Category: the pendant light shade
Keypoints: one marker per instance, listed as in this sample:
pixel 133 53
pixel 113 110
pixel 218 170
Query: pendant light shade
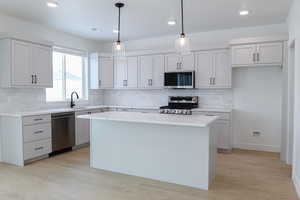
pixel 182 44
pixel 118 46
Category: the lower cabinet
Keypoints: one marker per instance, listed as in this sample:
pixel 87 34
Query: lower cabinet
pixel 25 139
pixel 224 130
pixel 82 133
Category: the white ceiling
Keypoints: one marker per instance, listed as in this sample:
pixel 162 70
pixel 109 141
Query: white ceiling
pixel 146 18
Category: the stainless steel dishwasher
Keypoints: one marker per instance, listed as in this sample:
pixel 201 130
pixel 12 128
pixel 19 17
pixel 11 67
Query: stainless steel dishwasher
pixel 63 132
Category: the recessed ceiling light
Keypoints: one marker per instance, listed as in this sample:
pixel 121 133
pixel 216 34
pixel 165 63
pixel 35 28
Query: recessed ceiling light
pixel 244 12
pixel 115 31
pixel 52 4
pixel 171 22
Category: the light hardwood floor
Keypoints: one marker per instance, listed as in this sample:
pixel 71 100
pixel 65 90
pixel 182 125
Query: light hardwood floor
pixel 241 175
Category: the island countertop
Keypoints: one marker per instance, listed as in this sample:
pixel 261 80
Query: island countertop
pixel 154 118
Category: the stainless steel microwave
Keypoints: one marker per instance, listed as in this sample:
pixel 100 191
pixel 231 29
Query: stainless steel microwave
pixel 180 80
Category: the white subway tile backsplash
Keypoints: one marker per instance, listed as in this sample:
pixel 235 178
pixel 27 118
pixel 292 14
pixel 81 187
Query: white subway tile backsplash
pixel 155 98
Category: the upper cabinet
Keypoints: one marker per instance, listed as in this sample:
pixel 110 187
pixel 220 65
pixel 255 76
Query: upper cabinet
pixel 126 72
pixel 264 54
pixel 213 69
pixel 176 62
pixel 24 64
pixel 101 72
pixel 151 71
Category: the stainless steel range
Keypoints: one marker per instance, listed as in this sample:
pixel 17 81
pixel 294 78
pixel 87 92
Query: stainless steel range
pixel 180 105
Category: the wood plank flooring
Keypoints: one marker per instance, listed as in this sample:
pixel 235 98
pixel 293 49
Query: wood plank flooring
pixel 241 175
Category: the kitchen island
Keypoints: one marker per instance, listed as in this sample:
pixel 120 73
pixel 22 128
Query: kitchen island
pixel 172 148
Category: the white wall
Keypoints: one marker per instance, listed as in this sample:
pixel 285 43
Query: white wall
pixel 294 32
pixel 257 107
pixel 27 99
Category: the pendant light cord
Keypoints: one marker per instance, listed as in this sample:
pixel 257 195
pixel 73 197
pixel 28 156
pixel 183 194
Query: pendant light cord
pixel 182 26
pixel 119 24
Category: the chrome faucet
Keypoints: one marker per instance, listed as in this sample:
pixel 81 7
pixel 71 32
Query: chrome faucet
pixel 72 100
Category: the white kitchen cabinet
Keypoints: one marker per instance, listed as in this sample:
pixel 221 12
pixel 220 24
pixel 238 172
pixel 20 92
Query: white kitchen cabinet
pixel 82 127
pixel 132 72
pixel 42 65
pixel 176 62
pixel 126 72
pixel 29 138
pixel 25 64
pixel 101 72
pixel 263 54
pixel 223 128
pixel 213 69
pixel 151 71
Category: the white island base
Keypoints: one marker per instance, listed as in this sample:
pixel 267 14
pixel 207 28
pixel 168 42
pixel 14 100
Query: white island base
pixel 157 149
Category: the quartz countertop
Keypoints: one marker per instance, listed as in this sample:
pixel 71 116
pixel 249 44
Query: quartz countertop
pixel 153 118
pixel 86 108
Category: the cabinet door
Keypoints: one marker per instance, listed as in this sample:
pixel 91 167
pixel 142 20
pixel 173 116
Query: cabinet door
pixel 204 69
pixel 243 55
pixel 106 73
pixel 94 71
pixel 146 69
pixel 270 53
pixel 42 65
pixel 120 73
pixel 222 70
pixel 21 64
pixel 187 62
pixel 172 62
pixel 132 72
pixel 223 135
pixel 158 71
pixel 82 129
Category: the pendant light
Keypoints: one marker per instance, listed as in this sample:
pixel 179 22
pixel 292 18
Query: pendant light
pixel 182 44
pixel 118 46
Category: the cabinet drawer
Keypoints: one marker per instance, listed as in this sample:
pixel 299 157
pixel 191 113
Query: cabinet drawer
pixel 36 132
pixel 36 149
pixel 36 119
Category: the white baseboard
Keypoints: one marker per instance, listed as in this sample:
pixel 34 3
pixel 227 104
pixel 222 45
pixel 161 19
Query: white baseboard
pixel 296 184
pixel 258 147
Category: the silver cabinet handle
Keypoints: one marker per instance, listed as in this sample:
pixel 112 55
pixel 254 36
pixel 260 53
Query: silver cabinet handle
pixel 258 57
pixel 38 119
pixel 214 81
pixel 32 81
pixel 209 81
pixel 38 148
pixel 38 132
pixel 151 82
pixel 36 79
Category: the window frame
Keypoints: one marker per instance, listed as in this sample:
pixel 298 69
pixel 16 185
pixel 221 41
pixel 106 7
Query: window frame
pixel 85 74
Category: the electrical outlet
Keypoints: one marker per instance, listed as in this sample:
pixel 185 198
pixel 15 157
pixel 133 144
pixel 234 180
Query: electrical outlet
pixel 256 133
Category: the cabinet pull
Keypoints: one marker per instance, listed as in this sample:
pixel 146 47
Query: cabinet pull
pixel 32 79
pixel 209 81
pixel 151 82
pixel 38 132
pixel 258 57
pixel 38 148
pixel 180 65
pixel 214 81
pixel 36 79
pixel 38 119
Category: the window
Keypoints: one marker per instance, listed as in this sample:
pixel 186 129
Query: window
pixel 69 74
